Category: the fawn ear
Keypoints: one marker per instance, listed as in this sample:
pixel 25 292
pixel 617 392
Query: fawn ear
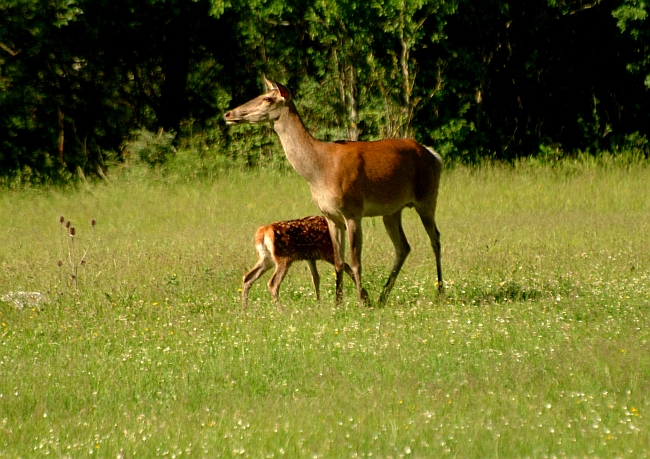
pixel 284 92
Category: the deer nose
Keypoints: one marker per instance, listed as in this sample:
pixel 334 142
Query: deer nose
pixel 227 115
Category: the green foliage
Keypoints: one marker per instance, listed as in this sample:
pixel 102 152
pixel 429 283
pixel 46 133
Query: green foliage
pixel 191 166
pixel 453 140
pixel 634 147
pixel 628 14
pixel 633 20
pixel 475 80
pixel 151 148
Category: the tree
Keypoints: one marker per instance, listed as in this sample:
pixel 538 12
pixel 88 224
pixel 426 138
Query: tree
pixel 78 77
pixel 29 81
pixel 471 78
pixel 408 28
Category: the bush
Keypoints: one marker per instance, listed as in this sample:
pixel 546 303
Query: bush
pixel 149 148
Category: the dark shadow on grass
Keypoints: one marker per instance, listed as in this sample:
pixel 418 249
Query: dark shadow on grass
pixel 504 292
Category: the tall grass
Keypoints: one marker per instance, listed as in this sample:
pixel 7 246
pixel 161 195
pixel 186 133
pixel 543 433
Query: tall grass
pixel 538 349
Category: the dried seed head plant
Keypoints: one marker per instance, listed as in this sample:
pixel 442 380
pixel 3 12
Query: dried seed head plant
pixel 71 232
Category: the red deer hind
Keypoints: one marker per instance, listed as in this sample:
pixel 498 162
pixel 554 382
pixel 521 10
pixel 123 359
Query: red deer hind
pixel 282 243
pixel 352 180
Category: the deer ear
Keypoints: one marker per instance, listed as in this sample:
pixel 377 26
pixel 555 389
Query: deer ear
pixel 284 92
pixel 270 85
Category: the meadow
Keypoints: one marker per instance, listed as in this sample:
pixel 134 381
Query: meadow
pixel 539 347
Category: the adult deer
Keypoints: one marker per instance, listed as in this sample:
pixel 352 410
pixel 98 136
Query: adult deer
pixel 352 180
pixel 282 243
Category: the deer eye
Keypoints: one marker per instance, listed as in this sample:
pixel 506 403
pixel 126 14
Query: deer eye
pixel 270 100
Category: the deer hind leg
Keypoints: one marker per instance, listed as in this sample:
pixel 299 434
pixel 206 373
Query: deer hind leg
pixel 315 277
pixel 393 225
pixel 262 266
pixel 337 230
pixel 429 222
pixel 355 235
pixel 281 269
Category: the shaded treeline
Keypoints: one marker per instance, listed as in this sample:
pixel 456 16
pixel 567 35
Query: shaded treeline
pixel 473 79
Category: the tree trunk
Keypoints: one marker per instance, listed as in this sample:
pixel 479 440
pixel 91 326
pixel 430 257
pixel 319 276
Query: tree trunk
pixel 353 124
pixel 61 119
pixel 347 92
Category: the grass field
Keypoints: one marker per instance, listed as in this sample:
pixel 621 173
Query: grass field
pixel 538 349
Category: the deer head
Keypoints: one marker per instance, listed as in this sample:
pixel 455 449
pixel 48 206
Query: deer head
pixel 266 107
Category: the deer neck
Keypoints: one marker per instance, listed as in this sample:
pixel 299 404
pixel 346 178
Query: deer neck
pixel 301 148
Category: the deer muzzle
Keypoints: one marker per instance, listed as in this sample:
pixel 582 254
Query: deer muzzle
pixel 231 118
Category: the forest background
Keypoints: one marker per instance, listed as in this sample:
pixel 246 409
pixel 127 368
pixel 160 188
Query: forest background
pixel 90 84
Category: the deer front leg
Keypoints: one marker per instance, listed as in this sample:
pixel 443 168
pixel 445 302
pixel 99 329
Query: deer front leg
pixel 364 294
pixel 355 236
pixel 315 278
pixel 337 230
pixel 349 272
pixel 393 225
